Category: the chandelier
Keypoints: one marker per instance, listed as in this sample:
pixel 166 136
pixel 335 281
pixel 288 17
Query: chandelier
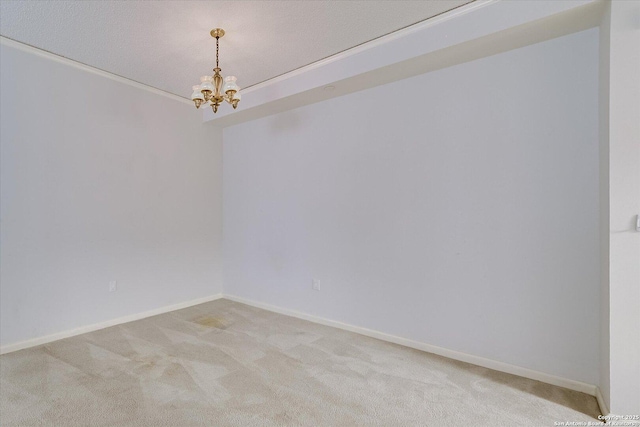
pixel 211 88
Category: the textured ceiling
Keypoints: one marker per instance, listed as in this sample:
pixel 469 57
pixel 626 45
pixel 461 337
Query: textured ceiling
pixel 166 44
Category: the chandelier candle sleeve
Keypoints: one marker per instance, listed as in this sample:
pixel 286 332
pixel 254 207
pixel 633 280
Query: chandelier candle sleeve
pixel 197 96
pixel 206 87
pixel 235 100
pixel 215 89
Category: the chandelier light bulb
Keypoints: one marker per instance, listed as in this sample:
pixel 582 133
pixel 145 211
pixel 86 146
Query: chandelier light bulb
pixel 230 84
pixel 206 87
pixel 197 96
pixel 235 100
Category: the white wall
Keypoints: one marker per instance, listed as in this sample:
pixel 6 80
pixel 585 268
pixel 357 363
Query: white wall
pixel 458 208
pixel 100 181
pixel 603 106
pixel 624 205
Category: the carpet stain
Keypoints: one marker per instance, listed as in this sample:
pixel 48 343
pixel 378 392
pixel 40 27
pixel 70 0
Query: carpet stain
pixel 212 322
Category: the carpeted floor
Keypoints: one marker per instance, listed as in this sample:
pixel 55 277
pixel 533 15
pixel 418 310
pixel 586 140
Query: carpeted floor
pixel 227 364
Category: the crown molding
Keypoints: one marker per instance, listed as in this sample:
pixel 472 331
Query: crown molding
pixel 493 25
pixel 87 68
pixel 403 32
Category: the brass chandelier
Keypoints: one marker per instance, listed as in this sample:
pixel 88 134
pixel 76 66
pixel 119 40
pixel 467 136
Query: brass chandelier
pixel 211 88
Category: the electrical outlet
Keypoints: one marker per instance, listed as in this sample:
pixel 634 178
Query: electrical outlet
pixel 113 286
pixel 315 284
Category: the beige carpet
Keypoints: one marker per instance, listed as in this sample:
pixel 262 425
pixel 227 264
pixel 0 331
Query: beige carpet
pixel 227 364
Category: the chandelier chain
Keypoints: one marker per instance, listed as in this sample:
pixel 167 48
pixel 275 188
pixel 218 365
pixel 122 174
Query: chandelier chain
pixel 217 51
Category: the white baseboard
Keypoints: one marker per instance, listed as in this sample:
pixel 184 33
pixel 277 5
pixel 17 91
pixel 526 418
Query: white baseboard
pixel 101 325
pixel 601 402
pixel 452 354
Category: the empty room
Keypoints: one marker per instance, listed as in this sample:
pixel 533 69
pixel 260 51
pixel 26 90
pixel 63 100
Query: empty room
pixel 320 213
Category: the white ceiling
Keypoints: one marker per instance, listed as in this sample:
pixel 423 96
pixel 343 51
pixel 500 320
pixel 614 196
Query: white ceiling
pixel 166 44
